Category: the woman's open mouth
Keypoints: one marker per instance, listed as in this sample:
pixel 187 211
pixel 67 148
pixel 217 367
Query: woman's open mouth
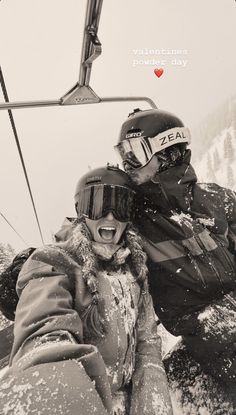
pixel 107 232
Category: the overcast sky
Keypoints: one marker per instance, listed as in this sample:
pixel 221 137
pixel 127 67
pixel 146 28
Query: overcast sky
pixel 40 54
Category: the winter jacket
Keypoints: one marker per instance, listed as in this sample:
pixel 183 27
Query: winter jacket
pixel 125 363
pixel 189 232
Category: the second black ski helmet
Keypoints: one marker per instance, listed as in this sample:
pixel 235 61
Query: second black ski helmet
pixel 103 190
pixel 148 132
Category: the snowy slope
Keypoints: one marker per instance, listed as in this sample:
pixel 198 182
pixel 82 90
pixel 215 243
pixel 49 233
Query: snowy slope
pixel 214 146
pixel 217 164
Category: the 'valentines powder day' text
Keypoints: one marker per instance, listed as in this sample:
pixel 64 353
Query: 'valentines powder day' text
pixel 160 57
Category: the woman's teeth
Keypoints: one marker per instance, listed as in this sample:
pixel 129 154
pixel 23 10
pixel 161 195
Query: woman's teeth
pixel 107 232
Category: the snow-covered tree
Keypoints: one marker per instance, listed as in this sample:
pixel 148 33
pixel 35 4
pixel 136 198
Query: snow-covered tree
pixel 6 255
pixel 216 160
pixel 3 322
pixel 230 177
pixel 228 148
pixel 212 127
pixel 233 118
pixel 210 170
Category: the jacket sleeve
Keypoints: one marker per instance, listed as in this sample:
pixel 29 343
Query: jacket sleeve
pixel 47 328
pixel 45 303
pixel 150 393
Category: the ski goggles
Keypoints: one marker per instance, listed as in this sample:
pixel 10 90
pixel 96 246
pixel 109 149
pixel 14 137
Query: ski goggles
pixel 138 151
pixel 97 201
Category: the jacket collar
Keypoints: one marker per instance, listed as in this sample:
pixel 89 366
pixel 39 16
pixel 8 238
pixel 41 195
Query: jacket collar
pixel 171 189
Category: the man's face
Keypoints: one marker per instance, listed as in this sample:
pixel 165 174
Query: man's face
pixel 106 230
pixel 143 174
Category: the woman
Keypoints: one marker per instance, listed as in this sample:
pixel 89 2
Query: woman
pixel 84 313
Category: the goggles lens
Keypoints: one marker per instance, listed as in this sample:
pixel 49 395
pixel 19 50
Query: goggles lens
pixel 138 151
pixel 135 151
pixel 97 200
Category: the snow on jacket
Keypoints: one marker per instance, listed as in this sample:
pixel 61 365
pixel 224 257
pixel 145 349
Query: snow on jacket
pixel 193 390
pixel 189 232
pixel 49 327
pixel 214 344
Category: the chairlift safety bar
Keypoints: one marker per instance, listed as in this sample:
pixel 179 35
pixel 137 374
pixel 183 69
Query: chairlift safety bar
pixel 34 104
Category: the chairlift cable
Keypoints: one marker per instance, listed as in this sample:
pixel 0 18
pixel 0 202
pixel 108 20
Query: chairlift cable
pixel 4 217
pixel 4 90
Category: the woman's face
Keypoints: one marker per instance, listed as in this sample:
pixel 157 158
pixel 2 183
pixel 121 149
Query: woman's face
pixel 106 230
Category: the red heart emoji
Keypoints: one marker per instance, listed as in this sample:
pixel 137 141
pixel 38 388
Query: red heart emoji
pixel 158 72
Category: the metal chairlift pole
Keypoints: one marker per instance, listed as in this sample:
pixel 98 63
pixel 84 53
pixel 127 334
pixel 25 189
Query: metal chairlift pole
pixel 91 47
pixel 81 92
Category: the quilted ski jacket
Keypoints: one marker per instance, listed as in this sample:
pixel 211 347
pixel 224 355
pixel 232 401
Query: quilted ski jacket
pixel 189 232
pixel 49 327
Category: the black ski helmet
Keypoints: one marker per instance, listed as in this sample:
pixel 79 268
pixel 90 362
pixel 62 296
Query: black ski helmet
pixel 114 178
pixel 149 122
pixel 149 132
pixel 109 174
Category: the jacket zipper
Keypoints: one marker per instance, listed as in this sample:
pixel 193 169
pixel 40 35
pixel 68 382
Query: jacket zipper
pixel 199 273
pixel 209 259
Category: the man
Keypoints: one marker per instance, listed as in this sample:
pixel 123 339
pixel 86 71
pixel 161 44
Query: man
pixel 189 232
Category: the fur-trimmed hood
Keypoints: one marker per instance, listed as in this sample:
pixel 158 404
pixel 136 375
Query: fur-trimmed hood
pixel 75 236
pixel 76 240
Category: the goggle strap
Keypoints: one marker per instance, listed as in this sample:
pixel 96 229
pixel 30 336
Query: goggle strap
pixel 168 138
